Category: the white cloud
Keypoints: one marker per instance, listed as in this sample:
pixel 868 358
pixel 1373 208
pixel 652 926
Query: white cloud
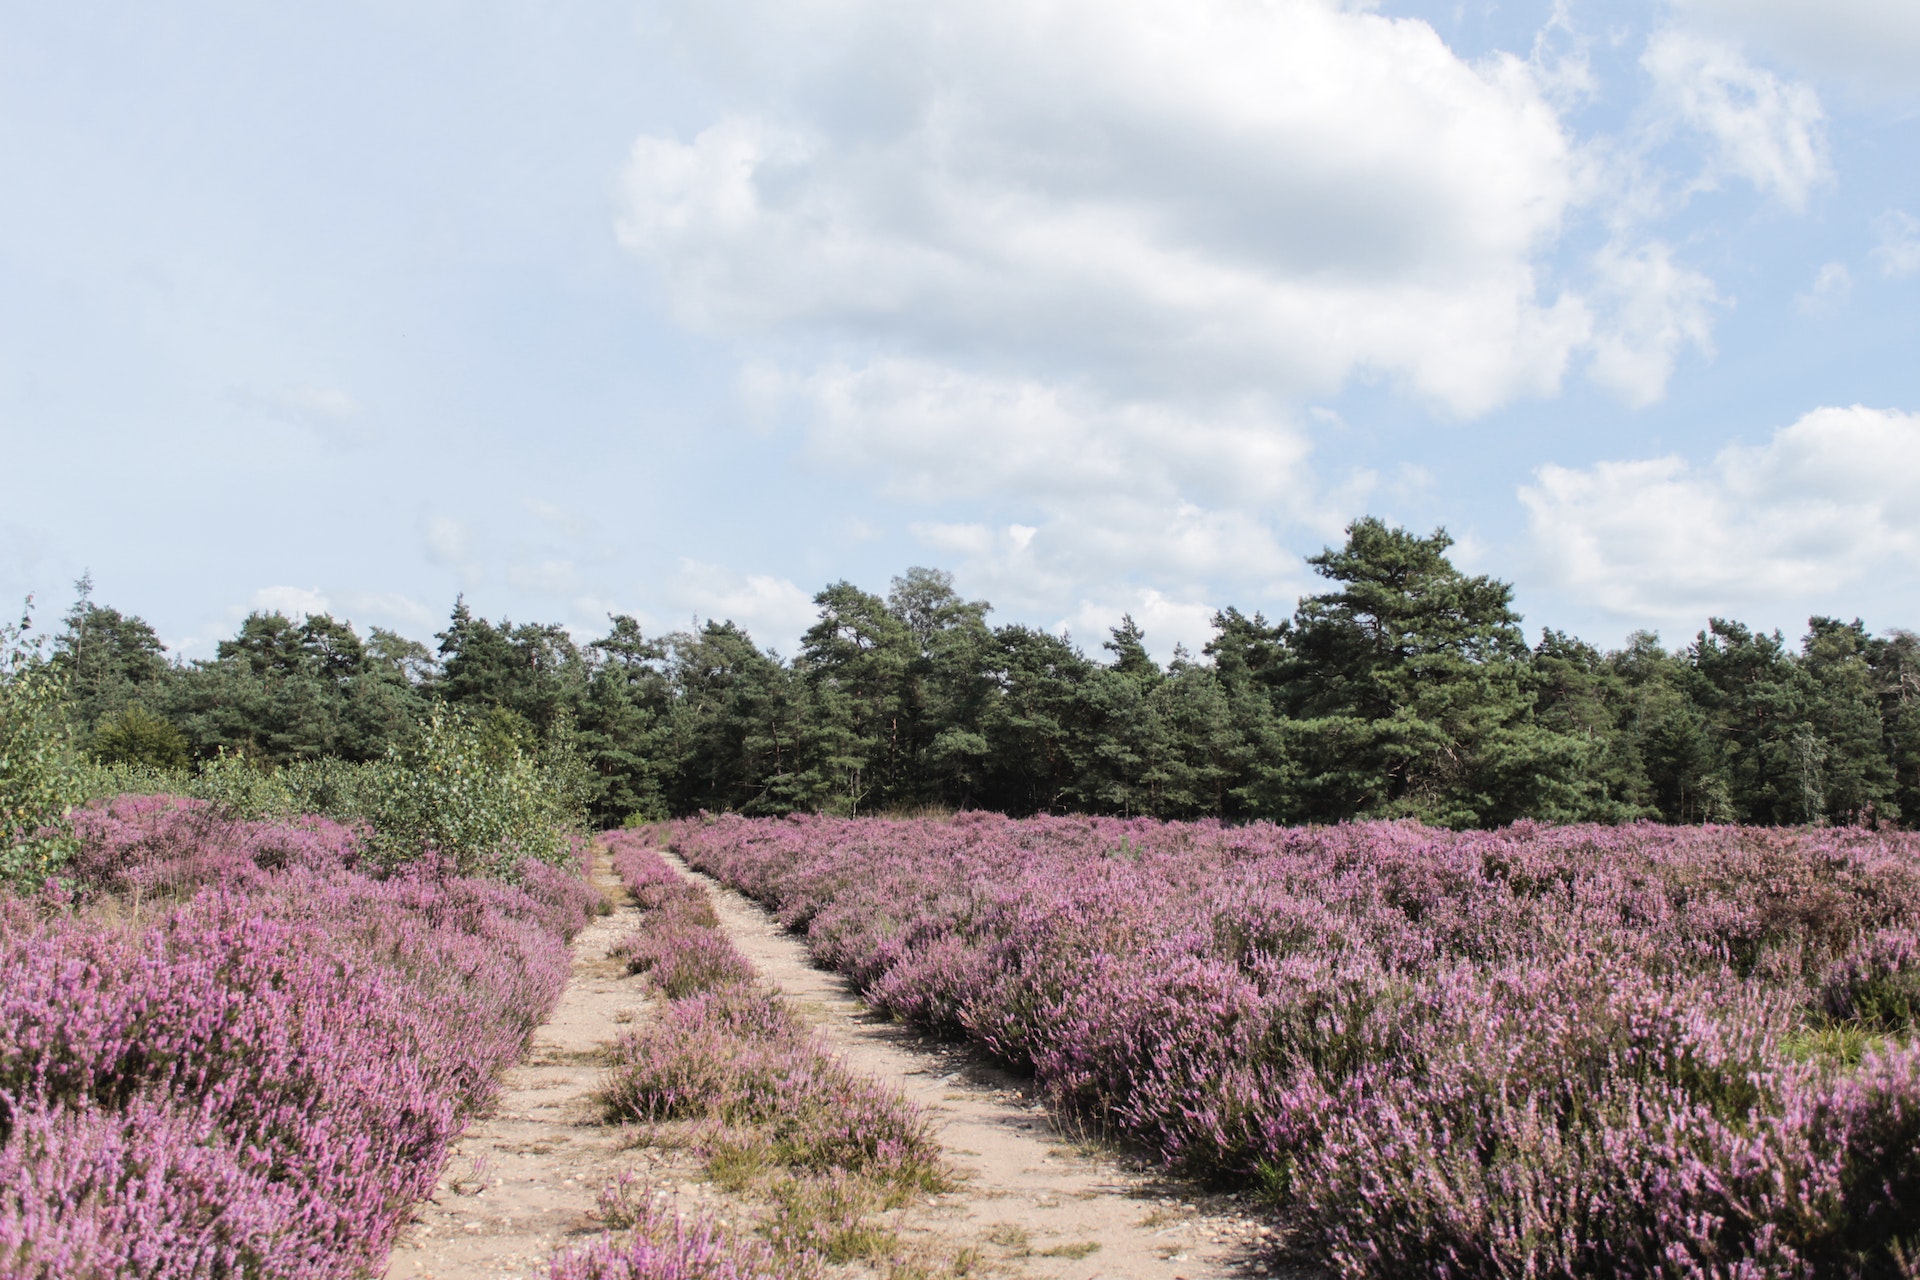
pixel 449 541
pixel 547 577
pixel 1831 286
pixel 1103 493
pixel 1061 274
pixel 771 609
pixel 295 602
pixel 1826 503
pixel 1660 308
pixel 938 433
pixel 1898 251
pixel 1763 129
pixel 1165 198
pixel 1872 44
pixel 331 415
pixel 1165 621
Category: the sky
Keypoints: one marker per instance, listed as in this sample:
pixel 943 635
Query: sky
pixel 687 310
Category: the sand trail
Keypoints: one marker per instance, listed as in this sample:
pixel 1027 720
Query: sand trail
pixel 524 1179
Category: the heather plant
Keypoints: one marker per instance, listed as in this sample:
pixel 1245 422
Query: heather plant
pixel 1876 984
pixel 658 1243
pixel 684 959
pixel 1545 1051
pixel 257 1071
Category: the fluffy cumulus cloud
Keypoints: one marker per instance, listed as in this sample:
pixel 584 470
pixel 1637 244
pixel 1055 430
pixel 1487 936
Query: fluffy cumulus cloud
pixel 1797 522
pixel 1165 197
pixel 773 610
pixel 1660 309
pixel 294 602
pixel 1761 128
pixel 1874 44
pixel 1065 275
pixel 1082 261
pixel 1095 490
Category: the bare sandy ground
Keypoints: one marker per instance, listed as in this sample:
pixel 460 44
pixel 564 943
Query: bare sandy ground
pixel 1032 1201
pixel 522 1181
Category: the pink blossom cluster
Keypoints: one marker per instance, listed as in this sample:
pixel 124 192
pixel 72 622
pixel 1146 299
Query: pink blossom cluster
pixel 659 1243
pixel 231 1053
pixel 1573 1051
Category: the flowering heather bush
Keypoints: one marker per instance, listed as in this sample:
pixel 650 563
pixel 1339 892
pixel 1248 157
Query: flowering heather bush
pixel 659 1244
pixel 681 959
pixel 260 1077
pixel 653 884
pixel 725 1052
pixel 161 844
pixel 1577 1051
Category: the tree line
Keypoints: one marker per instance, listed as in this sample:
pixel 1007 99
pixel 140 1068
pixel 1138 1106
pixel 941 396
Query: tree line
pixel 1406 688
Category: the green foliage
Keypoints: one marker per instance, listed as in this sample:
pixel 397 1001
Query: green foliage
pixel 42 776
pixel 454 791
pixel 237 787
pixel 1411 684
pixel 1404 689
pixel 136 736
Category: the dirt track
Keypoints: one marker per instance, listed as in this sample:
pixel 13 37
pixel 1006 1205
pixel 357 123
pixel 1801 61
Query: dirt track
pixel 523 1181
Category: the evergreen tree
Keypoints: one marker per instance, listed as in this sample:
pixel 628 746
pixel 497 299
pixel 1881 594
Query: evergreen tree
pixel 108 661
pixel 1410 690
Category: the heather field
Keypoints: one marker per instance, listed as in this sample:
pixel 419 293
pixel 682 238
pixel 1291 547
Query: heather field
pixel 228 1050
pixel 1539 1051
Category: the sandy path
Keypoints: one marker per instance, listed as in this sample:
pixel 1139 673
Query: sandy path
pixel 521 1181
pixel 1033 1199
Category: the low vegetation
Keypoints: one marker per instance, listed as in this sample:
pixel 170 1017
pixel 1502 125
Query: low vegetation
pixel 727 1069
pixel 1545 1051
pixel 228 1048
pixel 274 922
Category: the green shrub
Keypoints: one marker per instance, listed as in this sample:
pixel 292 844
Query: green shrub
pixel 42 777
pixel 458 792
pixel 138 737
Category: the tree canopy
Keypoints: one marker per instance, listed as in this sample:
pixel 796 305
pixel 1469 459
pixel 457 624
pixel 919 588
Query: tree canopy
pixel 1404 688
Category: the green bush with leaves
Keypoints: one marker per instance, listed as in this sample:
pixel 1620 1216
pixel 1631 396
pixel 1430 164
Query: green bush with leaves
pixel 136 736
pixel 42 775
pixel 459 788
pixel 460 792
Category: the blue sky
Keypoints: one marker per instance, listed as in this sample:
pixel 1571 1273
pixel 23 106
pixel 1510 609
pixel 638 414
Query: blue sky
pixel 686 310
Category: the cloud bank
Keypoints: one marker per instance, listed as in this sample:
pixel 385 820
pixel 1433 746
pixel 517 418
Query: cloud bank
pixel 1820 510
pixel 1065 277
